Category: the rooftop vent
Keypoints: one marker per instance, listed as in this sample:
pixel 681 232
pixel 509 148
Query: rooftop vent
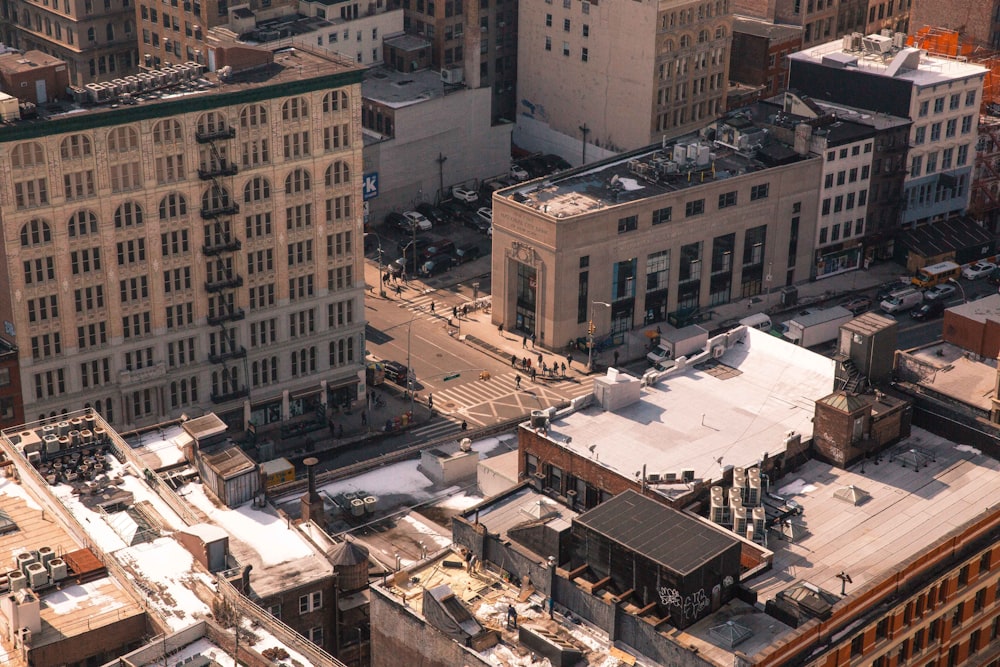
pixel 730 633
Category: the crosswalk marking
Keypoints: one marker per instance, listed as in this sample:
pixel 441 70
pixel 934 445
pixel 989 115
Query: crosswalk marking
pixel 421 306
pixel 500 386
pixel 438 428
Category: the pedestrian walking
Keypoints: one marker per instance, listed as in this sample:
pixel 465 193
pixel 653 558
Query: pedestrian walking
pixel 569 360
pixel 524 342
pixel 513 361
pixel 430 401
pixel 511 617
pixel 532 341
pixel 528 361
pixel 544 367
pixel 465 311
pixel 432 306
pixel 539 358
pixel 465 425
pixel 534 373
pixel 500 328
pixel 564 369
pixel 616 358
pixel 399 290
pixel 517 381
pixel 454 312
pixel 364 418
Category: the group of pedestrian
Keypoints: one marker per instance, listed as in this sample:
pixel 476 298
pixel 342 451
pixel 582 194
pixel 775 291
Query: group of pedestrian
pixel 525 339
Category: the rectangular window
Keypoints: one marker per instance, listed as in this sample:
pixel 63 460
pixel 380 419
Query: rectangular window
pixel 662 215
pixel 920 135
pixel 923 108
pixel 693 208
pixel 970 98
pixel 628 224
pixel 759 191
pixel 935 131
pixel 727 199
pixel 950 128
pixel 966 124
pixel 939 105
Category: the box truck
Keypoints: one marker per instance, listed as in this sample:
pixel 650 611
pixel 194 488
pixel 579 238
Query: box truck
pixel 817 327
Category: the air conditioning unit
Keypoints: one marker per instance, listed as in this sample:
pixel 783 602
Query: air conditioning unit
pixel 687 475
pixel 453 75
pixel 669 476
pixel 38 575
pixel 653 478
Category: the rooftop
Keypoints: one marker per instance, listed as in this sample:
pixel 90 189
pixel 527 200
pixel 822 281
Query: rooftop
pixel 171 90
pixel 737 147
pixel 726 411
pixel 397 89
pixel 953 374
pixel 84 599
pixel 486 598
pixel 921 490
pixel 518 508
pixel 659 533
pixel 763 28
pixel 885 56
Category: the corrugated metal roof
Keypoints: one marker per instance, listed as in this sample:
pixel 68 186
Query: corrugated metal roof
pixel 662 534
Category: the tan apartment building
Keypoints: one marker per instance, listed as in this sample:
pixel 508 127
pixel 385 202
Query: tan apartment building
pixel 195 252
pixel 95 38
pixel 619 76
pixel 641 237
pixel 823 20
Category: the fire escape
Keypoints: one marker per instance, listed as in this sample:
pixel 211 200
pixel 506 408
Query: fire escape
pixel 221 249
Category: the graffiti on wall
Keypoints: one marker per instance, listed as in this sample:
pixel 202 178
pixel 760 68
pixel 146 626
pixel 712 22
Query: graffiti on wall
pixel 691 605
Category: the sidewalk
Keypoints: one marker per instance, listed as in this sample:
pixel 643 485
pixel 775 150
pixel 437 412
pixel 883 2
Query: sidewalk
pixel 478 329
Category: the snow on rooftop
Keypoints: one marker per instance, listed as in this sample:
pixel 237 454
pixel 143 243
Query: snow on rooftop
pixel 10 488
pixel 161 448
pixel 89 595
pixel 167 571
pixel 202 647
pixel 141 491
pixel 267 640
pixel 429 535
pixel 95 525
pixel 262 529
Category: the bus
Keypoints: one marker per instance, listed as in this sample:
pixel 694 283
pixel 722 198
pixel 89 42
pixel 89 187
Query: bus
pixel 935 274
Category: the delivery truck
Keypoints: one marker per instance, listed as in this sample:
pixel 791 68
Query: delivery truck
pixel 676 343
pixel 816 327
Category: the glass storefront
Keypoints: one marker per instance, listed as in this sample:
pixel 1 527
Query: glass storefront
pixel 527 289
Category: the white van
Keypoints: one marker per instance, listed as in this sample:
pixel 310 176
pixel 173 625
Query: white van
pixel 759 321
pixel 902 299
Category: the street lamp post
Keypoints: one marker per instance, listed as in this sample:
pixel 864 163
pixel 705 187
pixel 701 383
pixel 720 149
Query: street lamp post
pixel 381 284
pixel 590 334
pixel 960 289
pixel 410 375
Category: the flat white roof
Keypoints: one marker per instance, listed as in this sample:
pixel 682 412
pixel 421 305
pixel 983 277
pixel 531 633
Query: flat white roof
pixel 931 70
pixel 762 388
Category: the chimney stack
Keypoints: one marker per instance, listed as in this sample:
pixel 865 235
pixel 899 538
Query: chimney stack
pixel 312 502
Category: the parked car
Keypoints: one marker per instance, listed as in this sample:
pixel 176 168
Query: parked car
pixel 398 221
pixel 435 265
pixel 519 173
pixel 439 247
pixel 466 253
pixel 994 278
pixel 432 213
pixel 534 165
pixel 555 163
pixel 858 304
pixel 485 213
pixel 421 243
pixel 978 270
pixel 929 311
pixel 473 221
pixel 939 292
pixel 465 194
pixel 454 210
pixel 418 220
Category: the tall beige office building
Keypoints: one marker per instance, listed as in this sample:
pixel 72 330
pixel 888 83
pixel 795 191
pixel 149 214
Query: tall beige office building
pixel 619 75
pixel 95 38
pixel 198 250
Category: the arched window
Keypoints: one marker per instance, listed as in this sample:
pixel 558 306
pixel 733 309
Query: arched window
pixel 336 100
pixel 167 132
pixel 685 41
pixel 35 232
pixel 76 146
pixel 173 206
pixel 337 173
pixel 91 35
pixel 82 223
pixel 253 115
pixel 702 36
pixel 720 32
pixel 257 190
pixel 297 181
pixel 128 214
pixel 211 122
pixel 215 197
pixel 294 109
pixel 123 140
pixel 28 154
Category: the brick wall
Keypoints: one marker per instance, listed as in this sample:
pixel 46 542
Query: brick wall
pixel 970 17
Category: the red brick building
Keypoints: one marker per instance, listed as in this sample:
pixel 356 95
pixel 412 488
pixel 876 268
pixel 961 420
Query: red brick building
pixel 759 51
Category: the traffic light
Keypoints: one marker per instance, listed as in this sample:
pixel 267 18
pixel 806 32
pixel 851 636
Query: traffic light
pixel 591 328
